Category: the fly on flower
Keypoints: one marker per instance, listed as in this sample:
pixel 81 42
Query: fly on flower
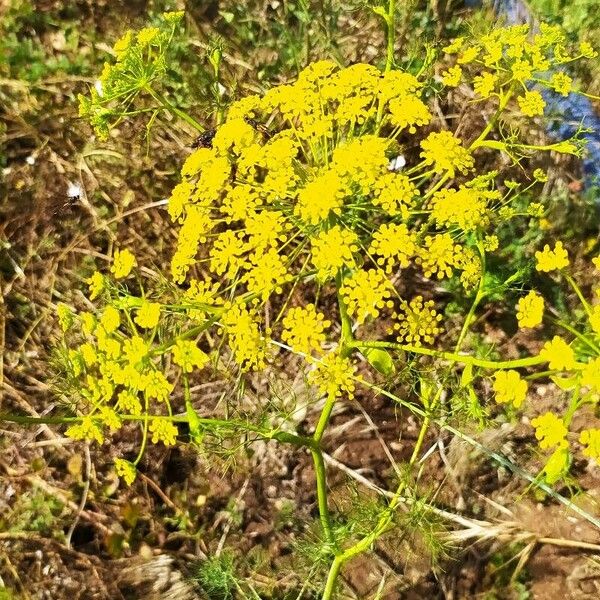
pixel 204 140
pixel 259 127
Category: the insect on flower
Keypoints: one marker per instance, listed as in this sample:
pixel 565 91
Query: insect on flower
pixel 204 140
pixel 258 126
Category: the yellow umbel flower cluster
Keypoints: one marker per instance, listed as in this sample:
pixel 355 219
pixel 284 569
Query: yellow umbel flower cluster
pixel 513 57
pixel 509 387
pixel 530 310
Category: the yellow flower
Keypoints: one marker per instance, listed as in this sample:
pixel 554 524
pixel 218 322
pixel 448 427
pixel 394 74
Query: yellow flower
pixel 187 355
pixel 536 209
pixel 147 35
pixel 123 263
pixel 587 50
pixel 590 374
pixel 556 466
pixel 395 193
pixel 227 253
pixel 164 431
pixel 173 16
pixel 469 55
pixel 541 176
pixel 247 342
pixel 409 111
pixel 65 316
pixel 87 429
pixel 135 350
pixel 485 84
pixel 465 207
pixel 123 44
pixel 439 255
pixel 561 83
pixel 365 293
pixel 320 197
pixel 88 353
pixel 530 310
pixel 531 104
pixel 109 418
pixel 509 387
pixel 590 438
pixel 148 314
pixel 491 243
pixel 548 260
pixel 417 322
pixel 333 249
pixel 96 285
pixel 126 470
pixel 129 402
pixel 550 431
pixel 522 70
pixel 452 76
pixel 110 319
pixel 267 273
pixel 455 46
pixel 333 375
pixel 394 245
pixel 304 329
pixel 594 319
pixel 446 153
pixel 559 354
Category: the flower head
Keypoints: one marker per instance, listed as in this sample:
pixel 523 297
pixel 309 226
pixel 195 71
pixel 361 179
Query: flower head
pixel 549 260
pixel 417 322
pixel 530 310
pixel 559 354
pixel 304 329
pixel 333 375
pixel 187 355
pixel 509 387
pixel 550 431
pixel 123 263
pixel 445 152
pixel 590 438
pixel 148 314
pixel 531 104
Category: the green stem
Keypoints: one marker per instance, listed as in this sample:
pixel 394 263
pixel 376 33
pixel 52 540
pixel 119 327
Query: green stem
pixel 324 515
pixel 162 100
pixel 573 406
pixel 280 436
pixel 503 102
pixel 334 571
pixel 391 34
pixel 454 357
pixel 579 293
pixel 324 418
pixel 578 335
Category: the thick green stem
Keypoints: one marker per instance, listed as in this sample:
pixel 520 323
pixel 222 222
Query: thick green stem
pixel 334 571
pixel 324 515
pixel 391 35
pixel 454 357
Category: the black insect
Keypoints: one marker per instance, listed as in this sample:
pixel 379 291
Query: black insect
pixel 205 139
pixel 258 126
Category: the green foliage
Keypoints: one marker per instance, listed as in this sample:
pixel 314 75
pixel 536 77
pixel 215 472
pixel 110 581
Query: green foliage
pixel 216 577
pixel 25 56
pixel 35 511
pixel 579 18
